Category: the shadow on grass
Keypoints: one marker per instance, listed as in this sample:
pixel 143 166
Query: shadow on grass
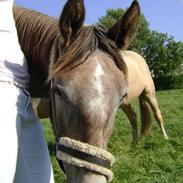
pixel 51 147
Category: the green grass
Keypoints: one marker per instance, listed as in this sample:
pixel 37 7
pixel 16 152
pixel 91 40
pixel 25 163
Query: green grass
pixel 152 160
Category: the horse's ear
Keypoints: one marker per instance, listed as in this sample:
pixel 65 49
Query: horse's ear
pixel 123 31
pixel 71 20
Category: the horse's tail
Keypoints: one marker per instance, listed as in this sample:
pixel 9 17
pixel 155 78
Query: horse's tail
pixel 145 115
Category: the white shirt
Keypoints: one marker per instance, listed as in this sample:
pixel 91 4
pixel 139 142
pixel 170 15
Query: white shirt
pixel 13 65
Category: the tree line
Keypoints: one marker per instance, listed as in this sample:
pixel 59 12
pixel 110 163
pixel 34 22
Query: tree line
pixel 162 53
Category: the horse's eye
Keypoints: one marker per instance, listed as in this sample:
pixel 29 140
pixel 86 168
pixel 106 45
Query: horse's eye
pixel 60 93
pixel 124 97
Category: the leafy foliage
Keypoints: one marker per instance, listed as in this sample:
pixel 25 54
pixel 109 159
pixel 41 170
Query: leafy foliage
pixel 163 54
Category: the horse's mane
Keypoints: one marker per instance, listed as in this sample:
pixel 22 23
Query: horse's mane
pixel 37 33
pixel 89 39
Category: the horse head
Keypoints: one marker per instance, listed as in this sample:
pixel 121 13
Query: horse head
pixel 89 81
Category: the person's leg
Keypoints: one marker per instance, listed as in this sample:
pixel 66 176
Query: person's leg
pixel 34 164
pixel 9 126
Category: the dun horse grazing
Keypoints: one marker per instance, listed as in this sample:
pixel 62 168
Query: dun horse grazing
pixel 88 81
pixel 140 84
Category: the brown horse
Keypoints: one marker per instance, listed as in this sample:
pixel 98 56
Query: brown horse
pixel 140 84
pixel 88 82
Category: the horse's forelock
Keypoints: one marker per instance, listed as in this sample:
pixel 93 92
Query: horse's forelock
pixel 86 42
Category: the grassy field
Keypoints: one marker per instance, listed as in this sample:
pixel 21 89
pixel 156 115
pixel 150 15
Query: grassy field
pixel 153 160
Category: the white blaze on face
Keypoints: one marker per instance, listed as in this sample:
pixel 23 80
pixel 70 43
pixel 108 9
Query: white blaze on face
pixel 98 78
pixel 96 103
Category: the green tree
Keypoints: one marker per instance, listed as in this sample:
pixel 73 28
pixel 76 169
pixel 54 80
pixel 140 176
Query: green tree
pixel 163 54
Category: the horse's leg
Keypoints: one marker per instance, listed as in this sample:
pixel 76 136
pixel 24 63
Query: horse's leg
pixel 145 116
pixel 157 113
pixel 35 103
pixel 43 109
pixel 128 110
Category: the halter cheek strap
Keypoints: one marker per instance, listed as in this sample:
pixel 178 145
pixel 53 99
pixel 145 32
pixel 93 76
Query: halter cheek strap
pixel 54 120
pixel 53 109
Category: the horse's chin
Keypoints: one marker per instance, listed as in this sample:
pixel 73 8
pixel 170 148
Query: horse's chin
pixel 81 175
pixel 93 178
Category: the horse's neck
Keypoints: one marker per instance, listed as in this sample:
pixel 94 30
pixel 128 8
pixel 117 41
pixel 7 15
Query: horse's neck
pixel 36 36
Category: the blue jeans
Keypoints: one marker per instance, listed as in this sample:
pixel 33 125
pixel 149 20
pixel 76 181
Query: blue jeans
pixel 24 156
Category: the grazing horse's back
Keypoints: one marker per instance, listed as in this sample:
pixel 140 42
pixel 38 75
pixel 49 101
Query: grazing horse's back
pixel 139 76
